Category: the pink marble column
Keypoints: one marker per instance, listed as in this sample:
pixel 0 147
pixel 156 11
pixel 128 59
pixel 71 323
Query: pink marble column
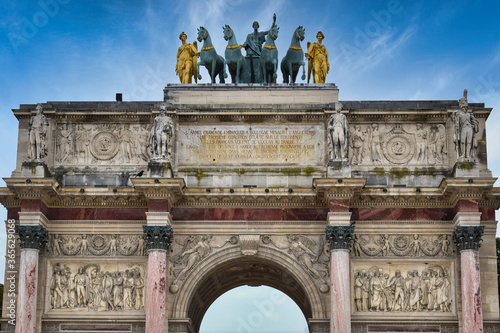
pixel 340 320
pixel 472 312
pixel 158 240
pixel 32 239
pixel 468 240
pixel 339 239
pixel 27 294
pixel 156 319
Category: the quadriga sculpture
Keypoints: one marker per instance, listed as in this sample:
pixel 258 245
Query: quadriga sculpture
pixel 269 56
pixel 294 58
pixel 235 61
pixel 209 58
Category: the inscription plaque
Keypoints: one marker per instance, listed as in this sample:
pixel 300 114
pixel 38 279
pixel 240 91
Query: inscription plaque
pixel 251 145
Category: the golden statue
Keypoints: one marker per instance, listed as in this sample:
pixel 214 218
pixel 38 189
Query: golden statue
pixel 187 59
pixel 318 60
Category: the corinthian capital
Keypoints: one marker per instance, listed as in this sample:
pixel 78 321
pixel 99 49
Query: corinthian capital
pixel 32 236
pixel 339 237
pixel 158 237
pixel 468 237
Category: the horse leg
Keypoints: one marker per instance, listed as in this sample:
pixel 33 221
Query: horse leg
pixel 214 63
pixel 290 72
pixel 198 70
pixel 238 70
pixel 302 63
pixel 263 70
pixel 275 73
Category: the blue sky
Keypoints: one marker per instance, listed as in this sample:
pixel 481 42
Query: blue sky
pixel 69 50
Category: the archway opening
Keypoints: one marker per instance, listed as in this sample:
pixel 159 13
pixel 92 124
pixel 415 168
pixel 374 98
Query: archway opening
pixel 259 309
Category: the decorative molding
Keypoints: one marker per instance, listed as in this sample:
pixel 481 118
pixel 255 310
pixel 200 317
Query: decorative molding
pixel 32 236
pixel 339 237
pixel 402 245
pixel 158 237
pixel 468 237
pixel 96 245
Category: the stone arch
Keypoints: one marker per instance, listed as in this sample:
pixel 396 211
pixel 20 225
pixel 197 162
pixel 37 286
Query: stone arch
pixel 269 266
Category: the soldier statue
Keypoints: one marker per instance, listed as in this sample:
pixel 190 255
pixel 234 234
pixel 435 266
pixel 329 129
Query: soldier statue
pixel 465 127
pixel 161 135
pixel 338 135
pixel 37 135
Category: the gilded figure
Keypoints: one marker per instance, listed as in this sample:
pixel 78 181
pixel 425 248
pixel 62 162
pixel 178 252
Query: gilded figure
pixel 187 59
pixel 318 63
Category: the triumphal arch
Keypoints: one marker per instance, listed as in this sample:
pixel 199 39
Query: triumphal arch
pixel 373 216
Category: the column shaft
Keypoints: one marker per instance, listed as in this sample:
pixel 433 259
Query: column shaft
pixel 340 320
pixel 27 294
pixel 472 313
pixel 156 319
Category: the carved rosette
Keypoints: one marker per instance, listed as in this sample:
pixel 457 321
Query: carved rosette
pixel 158 237
pixel 32 236
pixel 468 237
pixel 339 237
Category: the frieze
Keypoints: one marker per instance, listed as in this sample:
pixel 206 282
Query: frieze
pixel 96 287
pixel 402 288
pixel 96 245
pixel 399 144
pixel 402 245
pixel 102 144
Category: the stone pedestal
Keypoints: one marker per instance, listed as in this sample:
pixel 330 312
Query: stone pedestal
pixel 339 238
pixel 33 238
pixel 339 169
pixel 158 240
pixel 34 169
pixel 159 169
pixel 468 240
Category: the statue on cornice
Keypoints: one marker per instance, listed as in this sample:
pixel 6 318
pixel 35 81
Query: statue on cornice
pixel 38 135
pixel 161 135
pixel 187 60
pixel 465 127
pixel 338 134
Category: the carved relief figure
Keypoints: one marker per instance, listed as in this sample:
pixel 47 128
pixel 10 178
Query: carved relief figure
pixel 429 291
pixel 375 141
pixel 199 249
pixel 82 143
pixel 187 59
pixel 112 246
pixel 65 143
pixel 318 63
pixel 357 140
pixel 358 291
pixel 421 139
pixel 95 289
pixel 305 255
pixel 161 135
pixel 338 134
pixel 440 142
pixel 401 245
pixel 126 143
pixel 465 127
pixel 37 135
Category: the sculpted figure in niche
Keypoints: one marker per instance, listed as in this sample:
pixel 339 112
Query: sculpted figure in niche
pixel 357 140
pixel 37 135
pixel 65 143
pixel 358 291
pixel 465 128
pixel 187 60
pixel 318 60
pixel 254 41
pixel 82 144
pixel 338 131
pixel 421 138
pixel 161 135
pixel 126 143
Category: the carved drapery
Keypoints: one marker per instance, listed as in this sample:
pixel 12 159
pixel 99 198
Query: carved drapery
pixel 158 237
pixel 32 236
pixel 468 237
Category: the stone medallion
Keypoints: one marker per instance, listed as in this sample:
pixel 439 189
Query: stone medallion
pixel 104 145
pixel 399 147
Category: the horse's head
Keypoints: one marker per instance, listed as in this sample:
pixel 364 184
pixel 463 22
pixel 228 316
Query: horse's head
pixel 202 34
pixel 300 33
pixel 228 32
pixel 273 32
